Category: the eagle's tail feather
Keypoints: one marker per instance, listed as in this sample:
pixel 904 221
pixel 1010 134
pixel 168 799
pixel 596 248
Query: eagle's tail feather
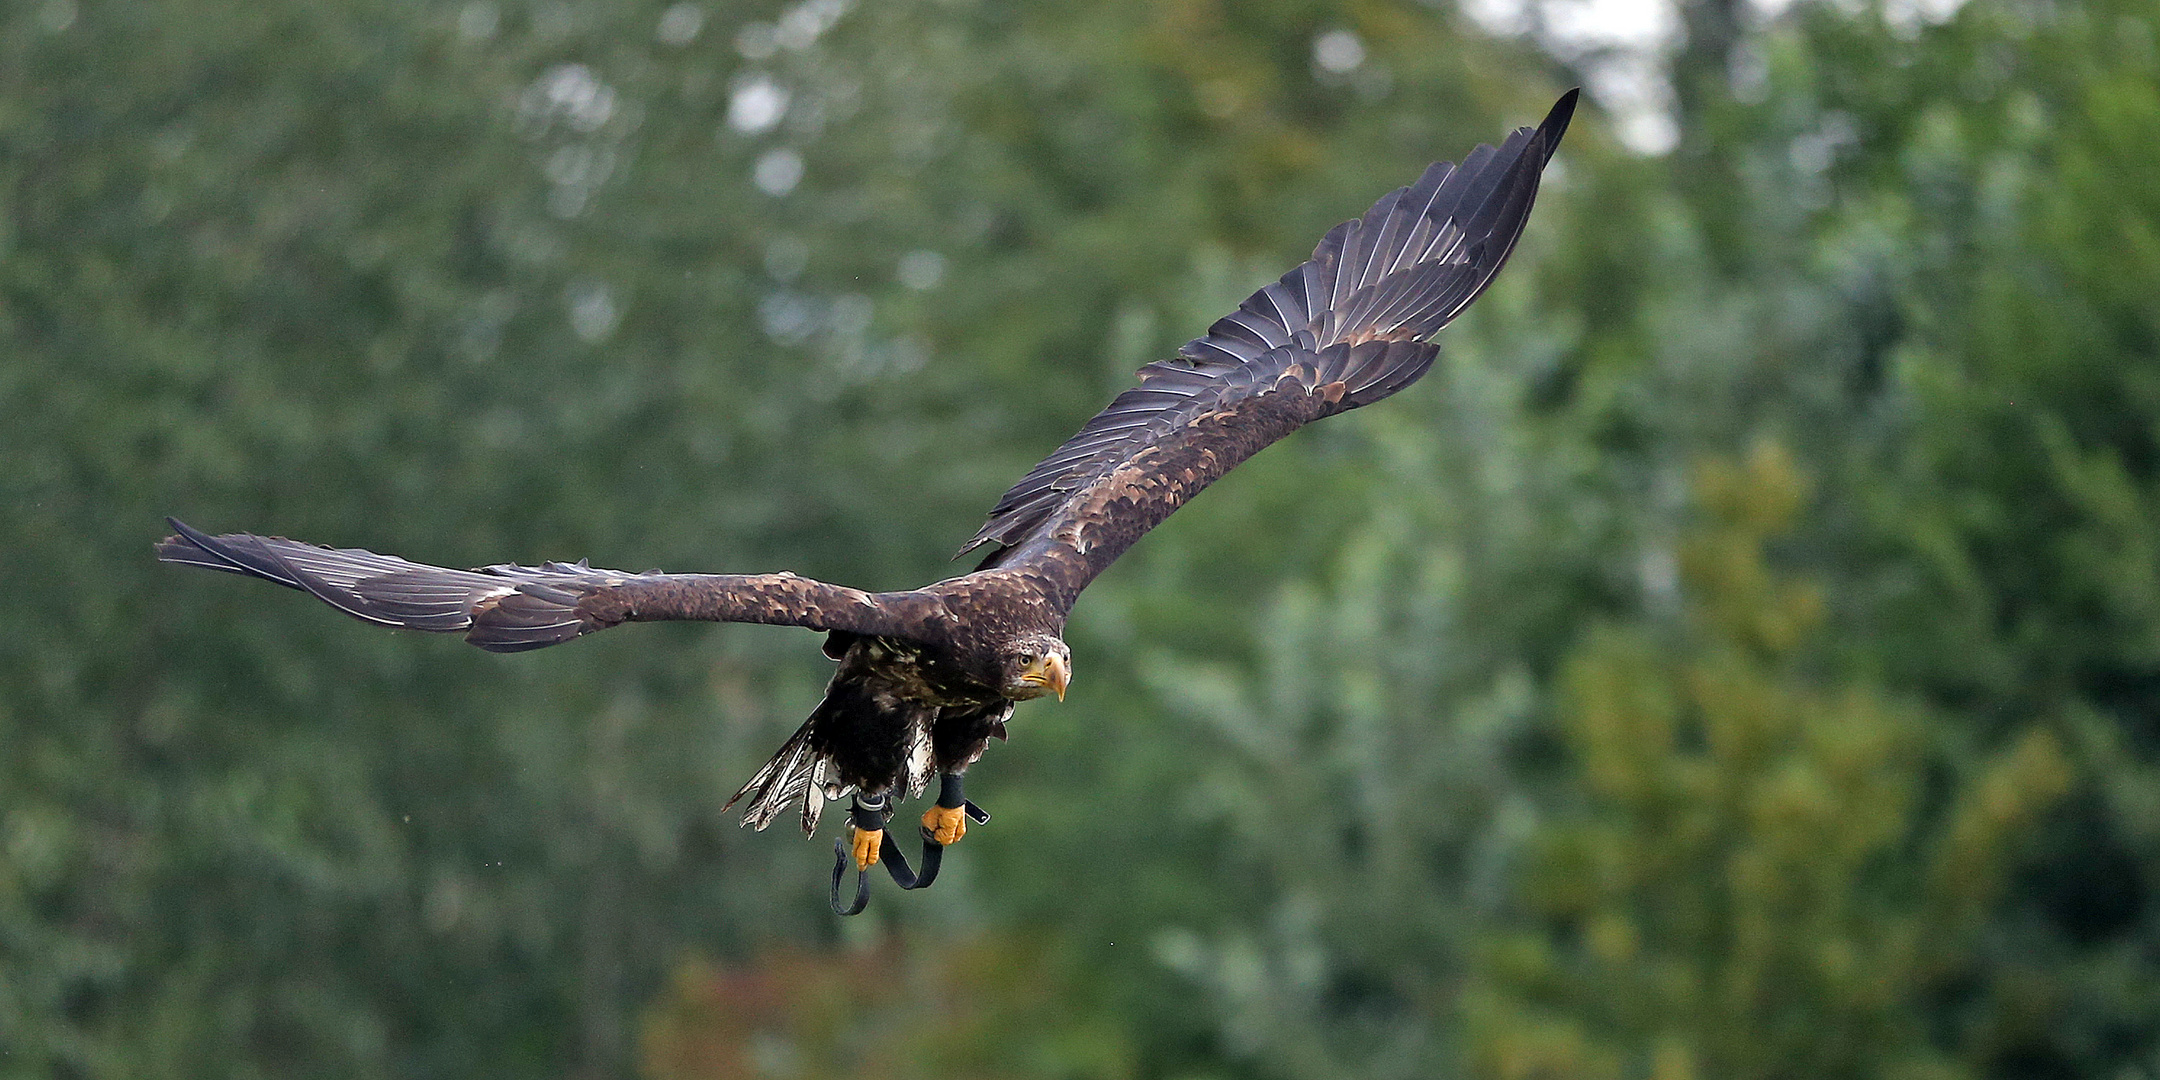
pixel 883 747
pixel 795 774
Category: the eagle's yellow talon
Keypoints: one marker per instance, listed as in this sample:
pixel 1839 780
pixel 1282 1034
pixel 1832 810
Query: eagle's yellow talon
pixel 866 845
pixel 946 825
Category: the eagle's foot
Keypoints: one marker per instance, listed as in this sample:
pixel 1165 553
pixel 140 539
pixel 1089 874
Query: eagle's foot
pixel 866 819
pixel 865 847
pixel 947 822
pixel 944 824
pixel 866 844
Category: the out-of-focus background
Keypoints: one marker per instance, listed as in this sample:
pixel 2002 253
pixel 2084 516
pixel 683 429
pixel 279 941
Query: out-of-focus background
pixel 1739 658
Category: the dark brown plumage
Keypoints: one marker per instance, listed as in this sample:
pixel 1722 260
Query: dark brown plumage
pixel 928 676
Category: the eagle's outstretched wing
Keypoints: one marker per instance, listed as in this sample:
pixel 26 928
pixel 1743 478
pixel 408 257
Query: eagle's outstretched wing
pixel 1348 327
pixel 513 608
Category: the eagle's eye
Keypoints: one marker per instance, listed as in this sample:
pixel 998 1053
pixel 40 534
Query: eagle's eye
pixel 1027 658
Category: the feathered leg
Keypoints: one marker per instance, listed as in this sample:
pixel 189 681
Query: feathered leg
pixel 957 739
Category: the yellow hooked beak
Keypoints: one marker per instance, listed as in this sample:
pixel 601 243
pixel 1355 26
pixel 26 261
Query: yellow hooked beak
pixel 1050 671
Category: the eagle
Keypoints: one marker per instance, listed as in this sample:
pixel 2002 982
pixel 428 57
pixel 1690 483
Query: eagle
pixel 927 677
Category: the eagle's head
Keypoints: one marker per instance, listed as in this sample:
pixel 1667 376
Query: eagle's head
pixel 1035 665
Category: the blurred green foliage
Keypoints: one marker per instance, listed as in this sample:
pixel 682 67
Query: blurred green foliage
pixel 1754 884
pixel 1741 657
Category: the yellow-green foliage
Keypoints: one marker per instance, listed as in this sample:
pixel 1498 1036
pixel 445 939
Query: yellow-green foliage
pixel 1760 881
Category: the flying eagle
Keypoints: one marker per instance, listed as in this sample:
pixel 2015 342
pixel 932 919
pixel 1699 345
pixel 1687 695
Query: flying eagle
pixel 929 675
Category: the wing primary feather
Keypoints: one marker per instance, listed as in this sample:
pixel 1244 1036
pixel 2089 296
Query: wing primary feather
pixel 1357 313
